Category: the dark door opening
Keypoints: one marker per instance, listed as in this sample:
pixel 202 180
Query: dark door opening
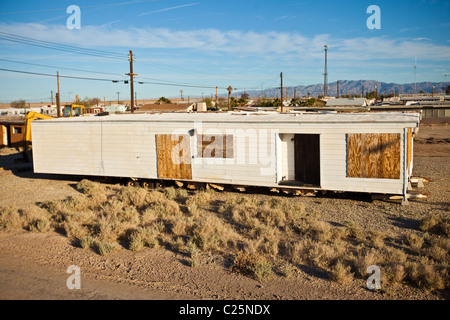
pixel 307 158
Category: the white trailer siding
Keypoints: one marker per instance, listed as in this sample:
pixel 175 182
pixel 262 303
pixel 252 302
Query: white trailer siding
pixel 263 146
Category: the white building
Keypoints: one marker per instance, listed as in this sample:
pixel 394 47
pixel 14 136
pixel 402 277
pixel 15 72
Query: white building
pixel 363 152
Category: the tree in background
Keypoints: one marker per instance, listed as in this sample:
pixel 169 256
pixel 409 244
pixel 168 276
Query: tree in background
pixel 371 95
pixel 88 103
pixel 19 104
pixel 163 100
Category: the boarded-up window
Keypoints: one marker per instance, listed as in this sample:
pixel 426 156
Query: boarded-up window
pixel 372 155
pixel 215 146
pixel 173 156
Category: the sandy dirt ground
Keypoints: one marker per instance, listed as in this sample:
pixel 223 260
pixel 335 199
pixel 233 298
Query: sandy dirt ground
pixel 33 265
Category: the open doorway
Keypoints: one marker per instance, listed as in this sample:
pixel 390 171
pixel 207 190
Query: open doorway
pixel 307 158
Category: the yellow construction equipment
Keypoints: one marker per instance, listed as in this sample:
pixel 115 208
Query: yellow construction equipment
pixel 73 111
pixel 69 111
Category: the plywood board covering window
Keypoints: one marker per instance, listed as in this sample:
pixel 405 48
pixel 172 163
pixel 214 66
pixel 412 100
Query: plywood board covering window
pixel 215 146
pixel 409 148
pixel 373 155
pixel 173 156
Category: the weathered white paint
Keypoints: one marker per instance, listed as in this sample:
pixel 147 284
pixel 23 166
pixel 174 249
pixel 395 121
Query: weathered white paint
pixel 124 146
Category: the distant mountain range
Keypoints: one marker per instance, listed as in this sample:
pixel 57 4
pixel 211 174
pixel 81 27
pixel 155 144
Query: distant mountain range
pixel 350 87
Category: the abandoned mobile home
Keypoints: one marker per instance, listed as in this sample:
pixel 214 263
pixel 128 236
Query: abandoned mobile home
pixel 350 152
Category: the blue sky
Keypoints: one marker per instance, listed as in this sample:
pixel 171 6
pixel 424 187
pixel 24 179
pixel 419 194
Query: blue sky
pixel 245 44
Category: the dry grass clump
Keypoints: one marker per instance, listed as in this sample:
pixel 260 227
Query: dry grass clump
pixel 254 265
pixel 436 224
pixel 10 218
pixel 414 241
pixel 426 275
pixel 365 257
pixel 172 193
pixel 143 236
pixel 340 272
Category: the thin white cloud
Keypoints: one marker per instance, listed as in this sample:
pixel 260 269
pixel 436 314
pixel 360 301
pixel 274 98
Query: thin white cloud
pixel 236 43
pixel 168 9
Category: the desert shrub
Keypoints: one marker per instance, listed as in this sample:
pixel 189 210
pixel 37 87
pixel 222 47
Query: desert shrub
pixel 426 276
pixel 414 241
pixel 142 237
pixel 210 233
pixel 320 254
pixel 194 253
pixel 437 224
pixel 154 196
pixel 438 253
pixel 354 232
pixel 111 208
pixel 363 260
pixel 34 219
pixel 393 273
pixel 376 239
pixel 318 230
pixel 391 255
pixel 40 225
pixel 166 209
pixel 89 187
pixel 201 198
pixel 10 218
pixel 285 269
pixel 172 193
pixel 87 242
pixel 104 248
pixel 295 251
pixel 340 272
pixel 133 196
pixel 254 265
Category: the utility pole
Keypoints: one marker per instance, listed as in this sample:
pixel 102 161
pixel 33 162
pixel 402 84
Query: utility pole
pixel 282 108
pixel 217 97
pixel 131 74
pixel 52 97
pixel 58 98
pixel 230 90
pixel 325 79
pixel 337 95
pixel 415 69
pixel 118 95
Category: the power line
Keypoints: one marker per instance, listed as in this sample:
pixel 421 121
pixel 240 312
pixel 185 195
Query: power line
pixel 90 52
pixel 177 84
pixel 53 75
pixel 55 67
pixel 108 80
pixel 61 47
pixel 94 6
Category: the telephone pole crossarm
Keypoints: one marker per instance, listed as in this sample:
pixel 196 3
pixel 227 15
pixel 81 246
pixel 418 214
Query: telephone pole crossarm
pixel 131 75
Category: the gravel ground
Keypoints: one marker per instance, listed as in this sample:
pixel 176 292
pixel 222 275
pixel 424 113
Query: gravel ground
pixel 34 265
